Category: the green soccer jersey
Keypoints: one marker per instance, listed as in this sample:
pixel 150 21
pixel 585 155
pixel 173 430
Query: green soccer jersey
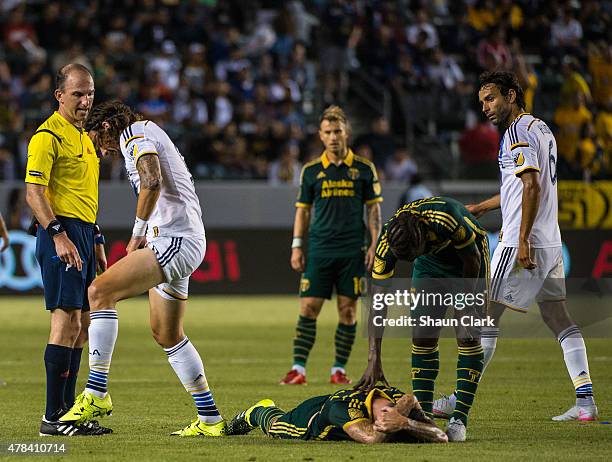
pixel 338 193
pixel 450 227
pixel 345 408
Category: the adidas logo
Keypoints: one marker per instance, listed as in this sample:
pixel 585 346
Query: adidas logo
pixel 56 227
pixel 321 175
pixel 95 352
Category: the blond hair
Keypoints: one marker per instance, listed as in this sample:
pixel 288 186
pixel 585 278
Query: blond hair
pixel 335 114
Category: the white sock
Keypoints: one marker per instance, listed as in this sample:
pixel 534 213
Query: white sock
pixel 575 356
pixel 488 341
pixel 300 369
pixel 336 369
pixel 188 366
pixel 103 332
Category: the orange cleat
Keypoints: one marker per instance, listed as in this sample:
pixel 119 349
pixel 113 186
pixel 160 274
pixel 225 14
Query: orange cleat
pixel 293 377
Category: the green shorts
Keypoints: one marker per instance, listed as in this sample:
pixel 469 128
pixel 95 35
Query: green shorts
pixel 294 424
pixel 322 274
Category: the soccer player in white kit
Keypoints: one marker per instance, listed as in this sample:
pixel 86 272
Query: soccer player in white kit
pixel 528 263
pixel 167 245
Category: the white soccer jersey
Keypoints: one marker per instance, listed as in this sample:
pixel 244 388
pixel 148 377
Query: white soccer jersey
pixel 528 144
pixel 177 212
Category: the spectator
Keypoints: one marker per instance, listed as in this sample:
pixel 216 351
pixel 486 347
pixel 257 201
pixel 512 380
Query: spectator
pixel 416 190
pixel 400 167
pixel 493 52
pixel 380 141
pixel 422 25
pixel 600 67
pixel 287 168
pixel 569 120
pixel 590 154
pixel 573 82
pixel 479 146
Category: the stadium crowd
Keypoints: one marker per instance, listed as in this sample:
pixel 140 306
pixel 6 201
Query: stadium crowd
pixel 239 84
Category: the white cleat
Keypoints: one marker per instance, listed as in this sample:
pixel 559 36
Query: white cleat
pixel 580 413
pixel 443 407
pixel 455 431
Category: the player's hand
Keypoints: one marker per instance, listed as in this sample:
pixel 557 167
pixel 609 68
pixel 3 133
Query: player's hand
pixel 298 261
pixel 5 243
pixel 101 263
pixel 525 255
pixel 66 251
pixel 369 257
pixel 476 210
pixel 390 421
pixel 136 242
pixel 372 375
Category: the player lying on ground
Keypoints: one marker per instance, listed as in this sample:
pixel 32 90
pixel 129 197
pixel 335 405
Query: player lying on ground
pixel 528 261
pixel 447 246
pixel 161 262
pixel 383 415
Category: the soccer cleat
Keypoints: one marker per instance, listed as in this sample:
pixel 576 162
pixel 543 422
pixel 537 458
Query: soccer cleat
pixel 580 413
pixel 293 377
pixel 455 430
pixel 87 407
pixel 59 428
pixel 199 428
pixel 339 378
pixel 241 423
pixel 443 407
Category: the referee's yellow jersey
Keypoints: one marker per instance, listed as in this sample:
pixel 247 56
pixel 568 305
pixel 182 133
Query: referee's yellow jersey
pixel 63 158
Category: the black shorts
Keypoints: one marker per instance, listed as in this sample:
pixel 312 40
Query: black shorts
pixel 65 287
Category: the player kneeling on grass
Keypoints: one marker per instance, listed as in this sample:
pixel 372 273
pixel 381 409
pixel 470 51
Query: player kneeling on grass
pixel 168 243
pixel 382 415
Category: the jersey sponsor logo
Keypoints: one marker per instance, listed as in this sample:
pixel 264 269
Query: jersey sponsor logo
pixel 337 188
pixel 353 173
pixel 355 414
pixel 35 173
pixel 518 158
pixel 321 175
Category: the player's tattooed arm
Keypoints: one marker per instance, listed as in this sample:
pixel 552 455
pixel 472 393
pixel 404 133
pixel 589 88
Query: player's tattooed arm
pixel 363 432
pixel 374 226
pixel 150 175
pixel 392 421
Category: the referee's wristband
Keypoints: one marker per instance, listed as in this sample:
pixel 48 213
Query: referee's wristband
pixel 140 227
pixel 54 228
pixel 296 243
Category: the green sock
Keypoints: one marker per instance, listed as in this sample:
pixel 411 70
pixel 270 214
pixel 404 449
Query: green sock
pixel 263 416
pixel 469 369
pixel 344 339
pixel 425 367
pixel 305 334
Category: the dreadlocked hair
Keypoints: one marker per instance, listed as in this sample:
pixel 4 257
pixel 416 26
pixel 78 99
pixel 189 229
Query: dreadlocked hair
pixel 405 232
pixel 117 114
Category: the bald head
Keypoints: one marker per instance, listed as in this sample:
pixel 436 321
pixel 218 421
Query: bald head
pixel 68 70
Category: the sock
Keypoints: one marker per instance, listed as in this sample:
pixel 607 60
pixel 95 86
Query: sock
pixel 488 342
pixel 344 339
pixel 263 416
pixel 75 364
pixel 575 356
pixel 57 366
pixel 305 334
pixel 425 367
pixel 469 370
pixel 188 366
pixel 102 337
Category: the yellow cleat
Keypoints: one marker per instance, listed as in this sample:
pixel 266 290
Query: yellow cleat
pixel 199 428
pixel 263 403
pixel 87 407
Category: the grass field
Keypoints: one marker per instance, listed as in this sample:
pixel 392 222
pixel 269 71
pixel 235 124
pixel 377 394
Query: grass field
pixel 246 345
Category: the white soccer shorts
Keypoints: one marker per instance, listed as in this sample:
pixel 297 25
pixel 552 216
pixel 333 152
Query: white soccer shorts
pixel 517 288
pixel 178 257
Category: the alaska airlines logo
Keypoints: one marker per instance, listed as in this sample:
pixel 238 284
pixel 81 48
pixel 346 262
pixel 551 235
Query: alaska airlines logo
pixel 337 188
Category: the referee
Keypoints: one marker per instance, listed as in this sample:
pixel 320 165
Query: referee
pixel 62 191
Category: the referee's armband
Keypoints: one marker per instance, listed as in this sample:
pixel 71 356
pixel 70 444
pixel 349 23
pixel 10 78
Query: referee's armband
pixel 54 228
